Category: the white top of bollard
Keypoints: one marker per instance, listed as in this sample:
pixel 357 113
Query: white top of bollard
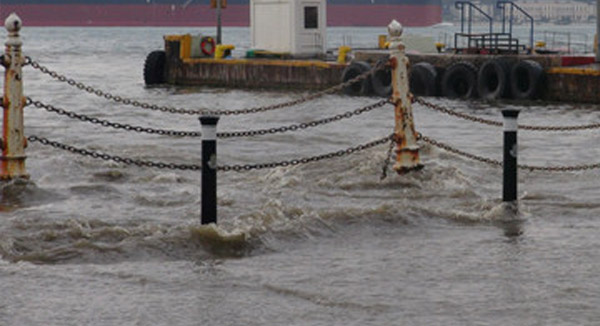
pixel 13 23
pixel 395 29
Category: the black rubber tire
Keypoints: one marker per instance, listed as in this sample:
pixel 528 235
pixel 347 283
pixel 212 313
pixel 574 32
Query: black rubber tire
pixel 460 81
pixel 493 80
pixel 526 80
pixel 154 68
pixel 423 79
pixel 354 70
pixel 381 80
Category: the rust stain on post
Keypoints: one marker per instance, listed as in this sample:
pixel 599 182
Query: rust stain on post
pixel 407 150
pixel 12 161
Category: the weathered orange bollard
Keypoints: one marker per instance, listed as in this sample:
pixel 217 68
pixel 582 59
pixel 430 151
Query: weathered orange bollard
pixel 12 161
pixel 407 149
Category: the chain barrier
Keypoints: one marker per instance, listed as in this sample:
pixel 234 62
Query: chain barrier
pixel 303 125
pixel 233 134
pixel 574 168
pixel 388 158
pixel 450 112
pixel 294 162
pixel 458 152
pixel 192 167
pixel 464 116
pixel 105 123
pixel 448 148
pixel 108 96
pixel 561 128
pixel 118 159
pixel 380 65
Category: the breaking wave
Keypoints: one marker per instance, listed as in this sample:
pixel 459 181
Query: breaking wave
pixel 294 205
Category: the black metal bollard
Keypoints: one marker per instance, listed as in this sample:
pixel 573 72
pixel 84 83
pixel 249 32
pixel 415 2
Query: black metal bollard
pixel 209 169
pixel 509 193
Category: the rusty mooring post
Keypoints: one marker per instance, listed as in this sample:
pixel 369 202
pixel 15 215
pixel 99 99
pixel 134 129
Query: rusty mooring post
pixel 407 150
pixel 12 162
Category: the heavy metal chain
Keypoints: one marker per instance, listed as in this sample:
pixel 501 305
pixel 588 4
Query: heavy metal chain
pixel 560 128
pixel 105 123
pixel 575 168
pixel 303 125
pixel 192 167
pixel 381 65
pixel 114 158
pixel 249 167
pixel 294 162
pixel 447 111
pixel 464 116
pixel 36 65
pixel 388 158
pixel 451 149
pixel 250 133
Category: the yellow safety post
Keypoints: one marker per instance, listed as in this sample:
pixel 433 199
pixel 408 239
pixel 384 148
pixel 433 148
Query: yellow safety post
pixel 12 162
pixel 407 149
pixel 440 46
pixel 221 48
pixel 382 41
pixel 185 47
pixel 342 53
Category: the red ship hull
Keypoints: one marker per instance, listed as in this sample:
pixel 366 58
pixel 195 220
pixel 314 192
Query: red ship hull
pixel 200 15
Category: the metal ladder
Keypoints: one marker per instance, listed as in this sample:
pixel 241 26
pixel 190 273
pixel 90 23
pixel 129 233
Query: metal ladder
pixel 490 42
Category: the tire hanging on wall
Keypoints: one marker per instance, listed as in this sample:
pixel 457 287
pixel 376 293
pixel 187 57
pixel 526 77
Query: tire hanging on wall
pixel 493 80
pixel 352 71
pixel 460 80
pixel 154 68
pixel 423 79
pixel 381 80
pixel 526 80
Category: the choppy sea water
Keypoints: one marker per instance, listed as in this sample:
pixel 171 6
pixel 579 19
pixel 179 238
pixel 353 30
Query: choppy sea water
pixel 92 242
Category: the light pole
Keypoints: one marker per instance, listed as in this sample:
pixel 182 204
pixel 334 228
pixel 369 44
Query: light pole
pixel 597 30
pixel 219 7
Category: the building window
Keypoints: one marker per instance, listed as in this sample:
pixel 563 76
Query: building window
pixel 311 17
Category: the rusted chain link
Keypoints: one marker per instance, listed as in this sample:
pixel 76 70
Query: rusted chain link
pixel 388 158
pixel 304 125
pixel 114 158
pixel 561 128
pixel 106 123
pixel 232 134
pixel 192 167
pixel 294 162
pixel 575 168
pixel 451 149
pixel 497 163
pixel 381 65
pixel 450 112
pixel 464 116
